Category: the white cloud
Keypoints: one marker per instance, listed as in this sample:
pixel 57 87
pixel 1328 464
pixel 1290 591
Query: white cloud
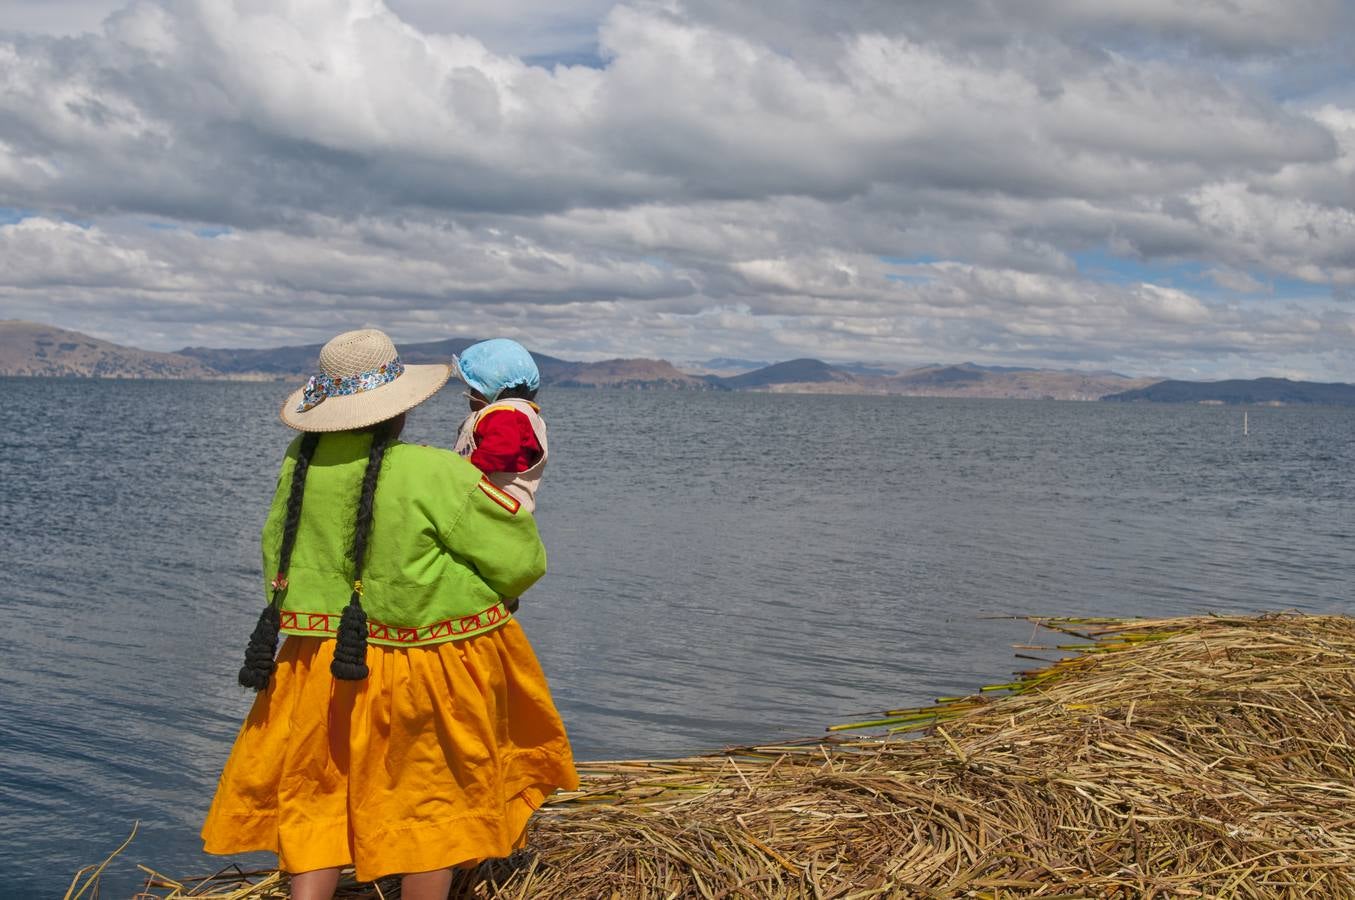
pixel 1236 281
pixel 1170 305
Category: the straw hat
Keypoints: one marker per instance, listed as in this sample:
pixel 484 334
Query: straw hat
pixel 361 382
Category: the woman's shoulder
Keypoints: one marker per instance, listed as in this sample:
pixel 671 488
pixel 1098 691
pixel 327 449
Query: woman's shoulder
pixel 428 461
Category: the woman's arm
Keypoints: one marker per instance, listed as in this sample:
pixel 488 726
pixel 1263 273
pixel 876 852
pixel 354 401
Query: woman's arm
pixel 499 541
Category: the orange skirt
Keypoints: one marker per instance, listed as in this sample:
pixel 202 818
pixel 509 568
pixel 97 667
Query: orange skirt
pixel 437 759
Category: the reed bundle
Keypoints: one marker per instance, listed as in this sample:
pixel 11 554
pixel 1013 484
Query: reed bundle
pixel 1189 757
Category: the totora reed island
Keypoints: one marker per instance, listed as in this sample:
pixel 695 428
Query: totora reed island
pixel 1208 756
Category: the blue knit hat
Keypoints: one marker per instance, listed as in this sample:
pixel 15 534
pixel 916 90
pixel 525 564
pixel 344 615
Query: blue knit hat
pixel 491 367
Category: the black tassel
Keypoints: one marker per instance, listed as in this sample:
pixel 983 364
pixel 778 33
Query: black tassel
pixel 263 644
pixel 350 646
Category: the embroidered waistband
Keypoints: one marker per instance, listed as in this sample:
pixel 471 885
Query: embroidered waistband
pixel 326 624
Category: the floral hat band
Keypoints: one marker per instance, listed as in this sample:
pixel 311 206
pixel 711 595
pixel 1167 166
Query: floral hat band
pixel 321 387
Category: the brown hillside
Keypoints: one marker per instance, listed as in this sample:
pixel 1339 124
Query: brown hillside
pixel 631 373
pixel 27 348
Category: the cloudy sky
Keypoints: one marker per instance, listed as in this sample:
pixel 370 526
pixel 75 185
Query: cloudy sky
pixel 1159 187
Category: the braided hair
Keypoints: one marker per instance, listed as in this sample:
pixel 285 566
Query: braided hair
pixel 350 651
pixel 263 642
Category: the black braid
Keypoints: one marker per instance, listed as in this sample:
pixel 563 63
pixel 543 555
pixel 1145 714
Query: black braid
pixel 350 651
pixel 263 643
pixel 518 392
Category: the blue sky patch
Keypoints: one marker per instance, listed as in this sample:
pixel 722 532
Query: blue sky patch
pixel 588 58
pixel 1104 266
pixel 922 260
pixel 1187 275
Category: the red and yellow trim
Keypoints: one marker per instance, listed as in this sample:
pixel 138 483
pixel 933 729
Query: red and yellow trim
pixel 318 624
pixel 500 496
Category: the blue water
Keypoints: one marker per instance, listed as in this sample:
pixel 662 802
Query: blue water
pixel 724 568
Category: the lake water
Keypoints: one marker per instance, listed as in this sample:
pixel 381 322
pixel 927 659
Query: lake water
pixel 724 568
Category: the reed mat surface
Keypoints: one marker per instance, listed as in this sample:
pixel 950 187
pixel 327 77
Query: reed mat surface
pixel 1188 757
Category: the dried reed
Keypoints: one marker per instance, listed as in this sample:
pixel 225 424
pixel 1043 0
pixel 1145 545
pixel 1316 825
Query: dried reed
pixel 1190 757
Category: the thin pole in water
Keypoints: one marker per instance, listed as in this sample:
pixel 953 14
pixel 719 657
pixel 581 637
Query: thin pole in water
pixel 1244 422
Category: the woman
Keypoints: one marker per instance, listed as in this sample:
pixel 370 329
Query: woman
pixel 405 725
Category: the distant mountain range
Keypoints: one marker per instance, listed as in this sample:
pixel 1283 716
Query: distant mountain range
pixel 27 348
pixel 31 349
pixel 1256 391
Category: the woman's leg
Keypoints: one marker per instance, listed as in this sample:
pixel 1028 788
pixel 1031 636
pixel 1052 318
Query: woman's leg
pixel 317 884
pixel 432 885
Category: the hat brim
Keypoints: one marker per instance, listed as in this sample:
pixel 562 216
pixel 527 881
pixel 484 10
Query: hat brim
pixel 415 385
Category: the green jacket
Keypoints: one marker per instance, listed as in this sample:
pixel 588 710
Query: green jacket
pixel 445 547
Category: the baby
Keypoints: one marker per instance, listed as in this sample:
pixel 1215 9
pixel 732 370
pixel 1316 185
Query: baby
pixel 504 435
